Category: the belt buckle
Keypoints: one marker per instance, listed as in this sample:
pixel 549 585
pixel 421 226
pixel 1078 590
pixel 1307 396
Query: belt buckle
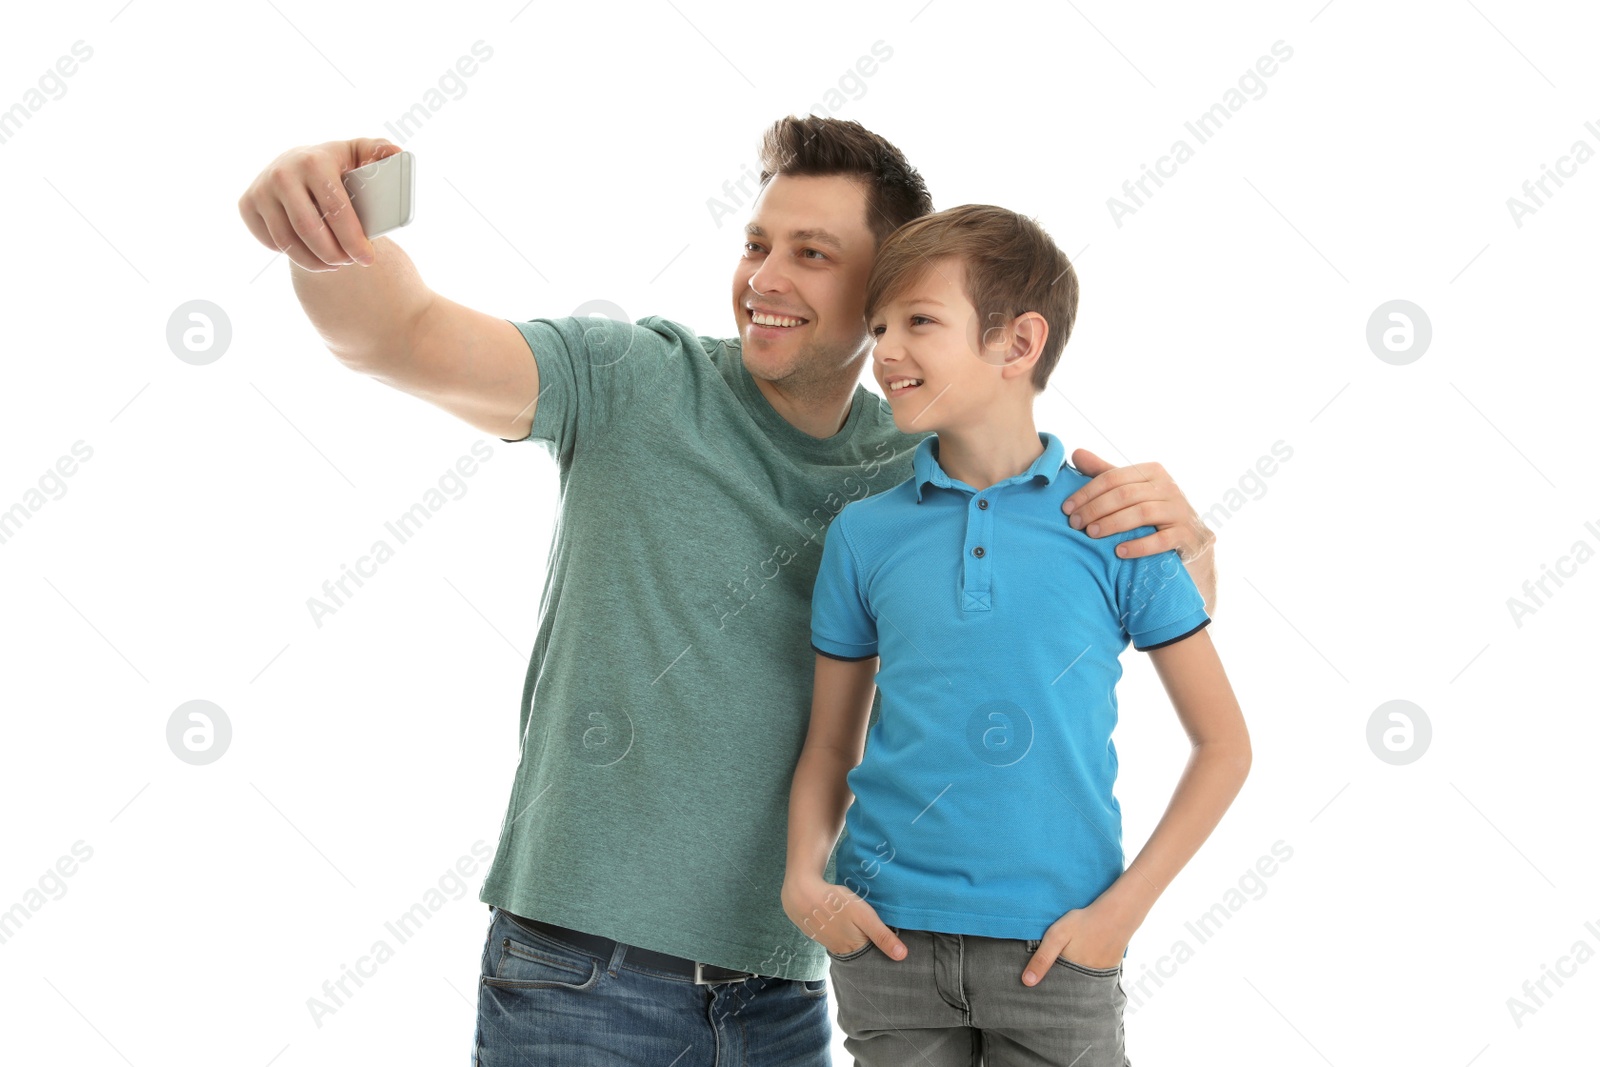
pixel 700 979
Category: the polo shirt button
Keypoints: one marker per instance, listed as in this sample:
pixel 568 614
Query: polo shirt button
pixel 982 504
pixel 978 551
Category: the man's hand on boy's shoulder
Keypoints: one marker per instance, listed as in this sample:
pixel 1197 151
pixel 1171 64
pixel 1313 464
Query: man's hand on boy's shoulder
pixel 1141 494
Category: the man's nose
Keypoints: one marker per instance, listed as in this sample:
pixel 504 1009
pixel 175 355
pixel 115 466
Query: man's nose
pixel 768 278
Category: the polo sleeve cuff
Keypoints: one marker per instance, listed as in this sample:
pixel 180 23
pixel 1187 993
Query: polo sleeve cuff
pixel 842 649
pixel 1172 634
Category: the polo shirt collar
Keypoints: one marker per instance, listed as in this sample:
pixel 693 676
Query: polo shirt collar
pixel 925 465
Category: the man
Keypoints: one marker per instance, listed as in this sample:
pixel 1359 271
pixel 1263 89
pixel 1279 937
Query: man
pixel 636 889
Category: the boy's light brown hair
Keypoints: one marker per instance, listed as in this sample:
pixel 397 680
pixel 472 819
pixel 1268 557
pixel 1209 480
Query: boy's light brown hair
pixel 1012 267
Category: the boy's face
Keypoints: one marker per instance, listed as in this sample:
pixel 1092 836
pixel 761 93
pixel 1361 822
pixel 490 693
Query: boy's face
pixel 807 256
pixel 930 331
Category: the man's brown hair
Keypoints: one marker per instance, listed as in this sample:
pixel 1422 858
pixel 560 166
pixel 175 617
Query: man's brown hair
pixel 815 146
pixel 1012 267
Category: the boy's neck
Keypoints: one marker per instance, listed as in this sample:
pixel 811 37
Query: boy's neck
pixel 990 452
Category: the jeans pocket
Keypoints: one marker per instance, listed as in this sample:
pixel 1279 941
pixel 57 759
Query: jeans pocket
pixel 1092 972
pixel 1062 961
pixel 528 959
pixel 853 954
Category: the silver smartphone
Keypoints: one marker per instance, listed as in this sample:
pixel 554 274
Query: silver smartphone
pixel 384 193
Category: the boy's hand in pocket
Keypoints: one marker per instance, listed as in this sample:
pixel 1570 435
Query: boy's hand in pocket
pixel 836 918
pixel 1083 936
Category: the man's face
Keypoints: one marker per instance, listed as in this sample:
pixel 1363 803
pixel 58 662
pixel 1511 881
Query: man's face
pixel 806 259
pixel 930 331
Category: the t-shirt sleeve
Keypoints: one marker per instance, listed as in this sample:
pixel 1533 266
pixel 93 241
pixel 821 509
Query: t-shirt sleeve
pixel 591 369
pixel 1157 602
pixel 842 623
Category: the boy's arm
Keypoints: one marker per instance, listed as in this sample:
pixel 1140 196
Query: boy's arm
pixel 1202 569
pixel 841 702
pixel 1097 936
pixel 1218 763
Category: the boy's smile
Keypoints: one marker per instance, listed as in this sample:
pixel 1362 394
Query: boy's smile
pixel 928 336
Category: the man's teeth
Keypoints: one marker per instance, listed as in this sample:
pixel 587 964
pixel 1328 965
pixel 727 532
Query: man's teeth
pixel 761 319
pixel 903 383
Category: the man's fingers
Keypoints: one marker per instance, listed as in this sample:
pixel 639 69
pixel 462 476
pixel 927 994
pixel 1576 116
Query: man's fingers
pixel 334 203
pixel 1150 544
pixel 1109 505
pixel 371 149
pixel 1106 480
pixel 306 218
pixel 1088 462
pixel 285 240
pixel 1127 507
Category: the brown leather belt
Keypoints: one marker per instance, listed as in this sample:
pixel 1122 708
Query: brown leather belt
pixel 603 947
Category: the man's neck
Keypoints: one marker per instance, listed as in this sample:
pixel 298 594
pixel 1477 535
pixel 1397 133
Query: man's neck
pixel 820 411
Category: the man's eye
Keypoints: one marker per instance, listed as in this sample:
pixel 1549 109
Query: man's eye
pixel 748 245
pixel 819 254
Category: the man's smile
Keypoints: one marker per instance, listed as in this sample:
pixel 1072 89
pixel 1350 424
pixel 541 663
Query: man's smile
pixel 767 323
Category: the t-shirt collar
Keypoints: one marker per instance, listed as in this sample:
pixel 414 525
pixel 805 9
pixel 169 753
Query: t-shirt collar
pixel 926 469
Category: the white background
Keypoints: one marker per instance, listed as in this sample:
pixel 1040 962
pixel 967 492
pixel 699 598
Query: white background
pixel 1227 313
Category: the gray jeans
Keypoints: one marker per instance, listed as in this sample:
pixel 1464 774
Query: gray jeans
pixel 957 1000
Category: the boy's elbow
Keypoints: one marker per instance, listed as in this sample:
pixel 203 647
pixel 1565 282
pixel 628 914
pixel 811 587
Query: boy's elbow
pixel 1232 752
pixel 1241 757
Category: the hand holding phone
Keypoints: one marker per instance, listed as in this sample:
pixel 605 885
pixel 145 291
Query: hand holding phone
pixel 321 205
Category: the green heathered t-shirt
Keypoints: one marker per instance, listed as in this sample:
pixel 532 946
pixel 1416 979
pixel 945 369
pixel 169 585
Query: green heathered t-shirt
pixel 669 690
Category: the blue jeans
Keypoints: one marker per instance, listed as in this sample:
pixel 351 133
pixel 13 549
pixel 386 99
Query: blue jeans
pixel 545 1003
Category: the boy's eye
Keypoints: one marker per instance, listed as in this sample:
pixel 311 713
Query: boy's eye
pixel 878 329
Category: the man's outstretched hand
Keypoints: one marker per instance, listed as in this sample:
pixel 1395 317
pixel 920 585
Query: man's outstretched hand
pixel 1143 494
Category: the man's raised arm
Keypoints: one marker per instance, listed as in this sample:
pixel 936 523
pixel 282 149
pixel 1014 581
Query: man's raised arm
pixel 381 319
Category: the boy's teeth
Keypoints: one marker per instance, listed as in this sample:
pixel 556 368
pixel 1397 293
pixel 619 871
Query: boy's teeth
pixel 904 383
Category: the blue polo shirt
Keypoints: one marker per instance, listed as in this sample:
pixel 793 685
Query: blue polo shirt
pixel 983 802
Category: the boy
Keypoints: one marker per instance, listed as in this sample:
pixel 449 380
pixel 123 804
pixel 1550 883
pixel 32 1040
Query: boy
pixel 984 830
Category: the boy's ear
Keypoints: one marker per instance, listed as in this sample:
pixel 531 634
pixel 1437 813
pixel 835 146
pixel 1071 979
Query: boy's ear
pixel 1028 333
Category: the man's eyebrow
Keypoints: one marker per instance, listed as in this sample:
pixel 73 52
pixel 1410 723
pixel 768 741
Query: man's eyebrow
pixel 815 236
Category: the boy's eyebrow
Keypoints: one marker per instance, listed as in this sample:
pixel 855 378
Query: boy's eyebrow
pixel 913 302
pixel 821 237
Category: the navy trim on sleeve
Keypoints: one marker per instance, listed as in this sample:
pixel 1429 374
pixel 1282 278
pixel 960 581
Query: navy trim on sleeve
pixel 847 659
pixel 1164 644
